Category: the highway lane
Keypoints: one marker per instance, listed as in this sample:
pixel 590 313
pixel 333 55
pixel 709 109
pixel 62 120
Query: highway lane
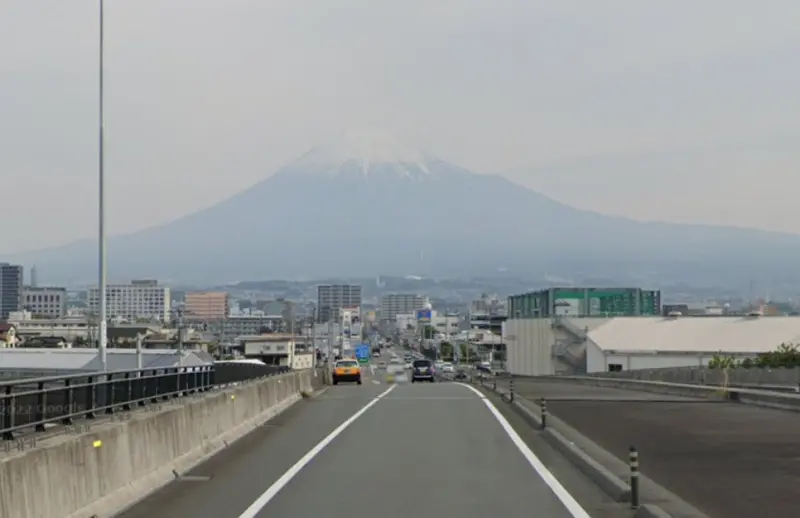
pixel 436 449
pixel 449 457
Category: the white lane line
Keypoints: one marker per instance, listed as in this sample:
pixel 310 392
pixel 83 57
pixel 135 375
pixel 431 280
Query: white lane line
pixel 279 484
pixel 552 482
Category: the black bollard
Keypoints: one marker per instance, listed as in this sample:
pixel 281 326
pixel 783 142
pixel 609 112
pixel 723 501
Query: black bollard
pixel 633 462
pixel 511 390
pixel 494 386
pixel 543 407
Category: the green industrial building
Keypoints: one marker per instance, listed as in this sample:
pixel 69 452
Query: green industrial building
pixel 585 302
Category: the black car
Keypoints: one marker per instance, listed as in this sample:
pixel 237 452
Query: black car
pixel 422 370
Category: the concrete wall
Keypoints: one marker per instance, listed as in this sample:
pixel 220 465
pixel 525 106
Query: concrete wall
pixel 740 376
pixel 598 361
pixel 529 346
pixel 102 471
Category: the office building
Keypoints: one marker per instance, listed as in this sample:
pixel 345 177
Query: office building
pixel 400 304
pixel 11 290
pixel 141 299
pixel 206 305
pixel 48 302
pixel 331 298
pixel 585 302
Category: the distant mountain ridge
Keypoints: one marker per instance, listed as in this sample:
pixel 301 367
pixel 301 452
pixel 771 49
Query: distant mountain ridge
pixel 369 205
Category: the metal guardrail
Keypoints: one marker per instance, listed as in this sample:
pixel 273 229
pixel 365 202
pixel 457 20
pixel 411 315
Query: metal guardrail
pixel 35 403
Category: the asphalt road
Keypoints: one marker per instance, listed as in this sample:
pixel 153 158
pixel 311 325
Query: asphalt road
pixel 726 459
pixel 384 450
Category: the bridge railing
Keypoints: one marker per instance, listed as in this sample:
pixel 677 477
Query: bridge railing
pixel 40 403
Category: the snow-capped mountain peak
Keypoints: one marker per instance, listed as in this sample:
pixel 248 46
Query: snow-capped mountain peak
pixel 365 153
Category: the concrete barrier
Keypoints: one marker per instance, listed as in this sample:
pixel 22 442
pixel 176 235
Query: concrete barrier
pixel 754 377
pixel 102 471
pixel 601 467
pixel 764 398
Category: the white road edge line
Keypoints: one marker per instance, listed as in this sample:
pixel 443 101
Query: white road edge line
pixel 274 489
pixel 552 482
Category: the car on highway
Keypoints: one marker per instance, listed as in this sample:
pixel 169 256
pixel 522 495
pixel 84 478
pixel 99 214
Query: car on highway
pixel 484 368
pixel 423 370
pixel 448 367
pixel 347 370
pixel 409 364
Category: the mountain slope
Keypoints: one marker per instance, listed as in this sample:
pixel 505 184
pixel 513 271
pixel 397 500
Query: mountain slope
pixel 365 206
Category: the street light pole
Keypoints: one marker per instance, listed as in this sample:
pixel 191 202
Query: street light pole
pixel 101 205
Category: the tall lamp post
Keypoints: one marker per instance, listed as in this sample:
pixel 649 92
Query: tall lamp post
pixel 101 206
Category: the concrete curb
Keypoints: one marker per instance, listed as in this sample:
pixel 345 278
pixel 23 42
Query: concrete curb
pixel 603 478
pixel 319 392
pixel 607 481
pixel 651 511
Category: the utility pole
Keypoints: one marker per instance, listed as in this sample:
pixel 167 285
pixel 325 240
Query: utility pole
pixel 139 362
pixel 103 344
pixel 179 313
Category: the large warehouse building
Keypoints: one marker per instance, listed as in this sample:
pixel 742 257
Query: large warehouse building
pixel 649 343
pixel 546 346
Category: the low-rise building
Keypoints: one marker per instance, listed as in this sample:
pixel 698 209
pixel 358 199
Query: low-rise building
pixel 206 305
pixel 45 301
pixel 272 349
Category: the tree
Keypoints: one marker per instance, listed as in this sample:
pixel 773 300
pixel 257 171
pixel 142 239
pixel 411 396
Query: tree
pixel 786 355
pixel 446 350
pixel 428 332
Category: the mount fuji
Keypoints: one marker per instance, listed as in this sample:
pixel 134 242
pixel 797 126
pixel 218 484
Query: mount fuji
pixel 365 204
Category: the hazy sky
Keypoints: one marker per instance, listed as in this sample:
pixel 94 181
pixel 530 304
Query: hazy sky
pixel 683 110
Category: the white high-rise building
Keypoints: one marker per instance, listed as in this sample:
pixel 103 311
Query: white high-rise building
pixel 140 299
pixel 331 298
pixel 395 304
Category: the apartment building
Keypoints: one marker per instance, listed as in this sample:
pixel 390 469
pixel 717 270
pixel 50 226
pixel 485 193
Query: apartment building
pixel 206 306
pixel 48 302
pixel 400 304
pixel 331 298
pixel 11 290
pixel 141 299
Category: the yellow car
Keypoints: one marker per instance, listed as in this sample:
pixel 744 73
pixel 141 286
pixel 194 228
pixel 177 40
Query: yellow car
pixel 346 370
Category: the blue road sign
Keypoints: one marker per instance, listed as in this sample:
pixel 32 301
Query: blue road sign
pixel 363 352
pixel 424 315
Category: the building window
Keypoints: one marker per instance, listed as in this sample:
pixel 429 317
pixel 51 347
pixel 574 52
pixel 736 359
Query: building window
pixel 614 367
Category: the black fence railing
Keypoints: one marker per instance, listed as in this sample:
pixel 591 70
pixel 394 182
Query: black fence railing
pixel 35 403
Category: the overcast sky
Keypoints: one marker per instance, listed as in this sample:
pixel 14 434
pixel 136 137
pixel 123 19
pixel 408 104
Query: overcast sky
pixel 683 110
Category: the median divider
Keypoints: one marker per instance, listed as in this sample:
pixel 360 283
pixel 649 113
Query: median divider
pixel 605 470
pixel 750 396
pixel 101 470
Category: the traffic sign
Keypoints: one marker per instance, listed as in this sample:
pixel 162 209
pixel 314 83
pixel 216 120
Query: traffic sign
pixel 363 353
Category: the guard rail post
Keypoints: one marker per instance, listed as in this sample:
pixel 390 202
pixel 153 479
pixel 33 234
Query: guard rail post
pixel 543 407
pixel 633 462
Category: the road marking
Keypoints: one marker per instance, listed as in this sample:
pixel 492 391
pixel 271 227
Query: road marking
pixel 269 494
pixel 552 482
pixel 376 382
